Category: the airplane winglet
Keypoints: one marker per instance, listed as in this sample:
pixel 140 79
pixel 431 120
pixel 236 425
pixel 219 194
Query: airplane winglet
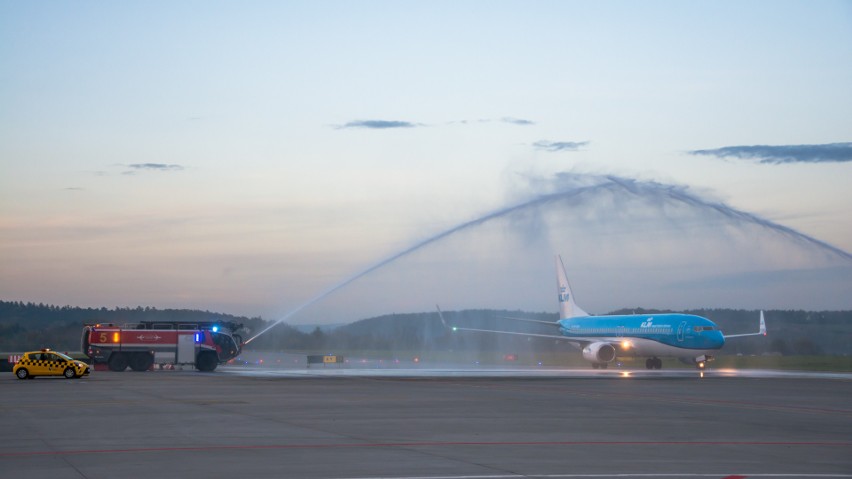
pixel 761 331
pixel 443 321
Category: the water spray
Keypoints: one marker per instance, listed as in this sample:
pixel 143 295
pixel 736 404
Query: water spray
pixel 427 241
pixel 642 189
pixel 679 194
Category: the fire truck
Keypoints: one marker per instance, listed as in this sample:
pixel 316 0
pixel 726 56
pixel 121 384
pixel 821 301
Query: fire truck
pixel 141 345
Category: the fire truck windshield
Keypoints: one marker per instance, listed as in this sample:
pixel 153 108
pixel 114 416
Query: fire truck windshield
pixel 228 347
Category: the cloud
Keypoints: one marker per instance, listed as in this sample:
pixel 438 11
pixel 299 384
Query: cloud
pixel 155 166
pixel 505 119
pixel 559 145
pixel 767 154
pixel 388 124
pixel 516 121
pixel 379 124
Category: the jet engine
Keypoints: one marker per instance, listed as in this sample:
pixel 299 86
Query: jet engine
pixel 599 352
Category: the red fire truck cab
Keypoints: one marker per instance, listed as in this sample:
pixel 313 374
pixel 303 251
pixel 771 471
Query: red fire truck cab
pixel 141 345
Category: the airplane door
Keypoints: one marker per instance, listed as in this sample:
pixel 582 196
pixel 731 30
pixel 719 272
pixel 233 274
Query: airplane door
pixel 680 330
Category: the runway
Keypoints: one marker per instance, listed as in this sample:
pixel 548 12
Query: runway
pixel 427 423
pixel 493 372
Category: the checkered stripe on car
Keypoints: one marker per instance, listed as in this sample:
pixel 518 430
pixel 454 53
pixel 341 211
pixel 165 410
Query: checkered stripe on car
pixel 41 362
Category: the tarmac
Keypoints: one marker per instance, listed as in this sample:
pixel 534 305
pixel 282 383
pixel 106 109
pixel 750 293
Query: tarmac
pixel 348 423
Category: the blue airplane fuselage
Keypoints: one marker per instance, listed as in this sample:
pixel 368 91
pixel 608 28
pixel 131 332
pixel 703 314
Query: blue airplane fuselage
pixel 648 334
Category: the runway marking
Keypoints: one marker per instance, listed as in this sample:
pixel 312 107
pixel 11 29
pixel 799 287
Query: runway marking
pixel 627 475
pixel 425 444
pixel 555 476
pixel 131 402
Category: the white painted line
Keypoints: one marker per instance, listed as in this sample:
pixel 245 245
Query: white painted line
pixel 622 475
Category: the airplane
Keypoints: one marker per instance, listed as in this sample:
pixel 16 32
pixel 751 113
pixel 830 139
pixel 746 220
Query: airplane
pixel 604 338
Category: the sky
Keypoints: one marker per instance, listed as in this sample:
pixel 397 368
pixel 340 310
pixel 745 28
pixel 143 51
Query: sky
pixel 246 157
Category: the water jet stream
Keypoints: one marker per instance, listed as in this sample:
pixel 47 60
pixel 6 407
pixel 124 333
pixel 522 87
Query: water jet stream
pixel 642 189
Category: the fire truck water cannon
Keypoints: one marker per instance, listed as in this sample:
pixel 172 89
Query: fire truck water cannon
pixel 203 345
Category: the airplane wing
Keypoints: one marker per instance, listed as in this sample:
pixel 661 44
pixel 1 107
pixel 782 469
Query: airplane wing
pixel 532 335
pixel 527 320
pixel 762 330
pixel 581 341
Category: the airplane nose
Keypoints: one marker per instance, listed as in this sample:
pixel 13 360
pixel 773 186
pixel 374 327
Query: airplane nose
pixel 718 339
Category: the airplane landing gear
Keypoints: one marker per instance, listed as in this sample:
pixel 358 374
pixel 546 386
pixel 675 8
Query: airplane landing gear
pixel 701 362
pixel 653 363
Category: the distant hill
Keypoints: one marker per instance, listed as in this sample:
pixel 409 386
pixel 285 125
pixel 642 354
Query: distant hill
pixel 25 326
pixel 309 328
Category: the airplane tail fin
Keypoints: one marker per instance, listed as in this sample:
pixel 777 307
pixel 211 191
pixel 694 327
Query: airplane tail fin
pixel 567 307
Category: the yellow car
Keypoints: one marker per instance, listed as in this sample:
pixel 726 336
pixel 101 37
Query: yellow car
pixel 49 363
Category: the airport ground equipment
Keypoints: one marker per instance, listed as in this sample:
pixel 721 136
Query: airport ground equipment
pixel 48 363
pixel 203 345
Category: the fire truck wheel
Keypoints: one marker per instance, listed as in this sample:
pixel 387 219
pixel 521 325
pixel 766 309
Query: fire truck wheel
pixel 117 362
pixel 141 361
pixel 22 373
pixel 69 373
pixel 206 362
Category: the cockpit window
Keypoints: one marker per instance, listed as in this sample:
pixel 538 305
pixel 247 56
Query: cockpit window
pixel 698 329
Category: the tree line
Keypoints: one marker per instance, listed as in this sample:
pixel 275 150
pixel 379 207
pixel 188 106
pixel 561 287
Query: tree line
pixel 28 326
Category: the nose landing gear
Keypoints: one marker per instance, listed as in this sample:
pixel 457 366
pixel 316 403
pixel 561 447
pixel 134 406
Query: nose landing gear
pixel 701 362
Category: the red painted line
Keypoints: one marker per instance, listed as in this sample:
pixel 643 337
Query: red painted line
pixel 425 444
